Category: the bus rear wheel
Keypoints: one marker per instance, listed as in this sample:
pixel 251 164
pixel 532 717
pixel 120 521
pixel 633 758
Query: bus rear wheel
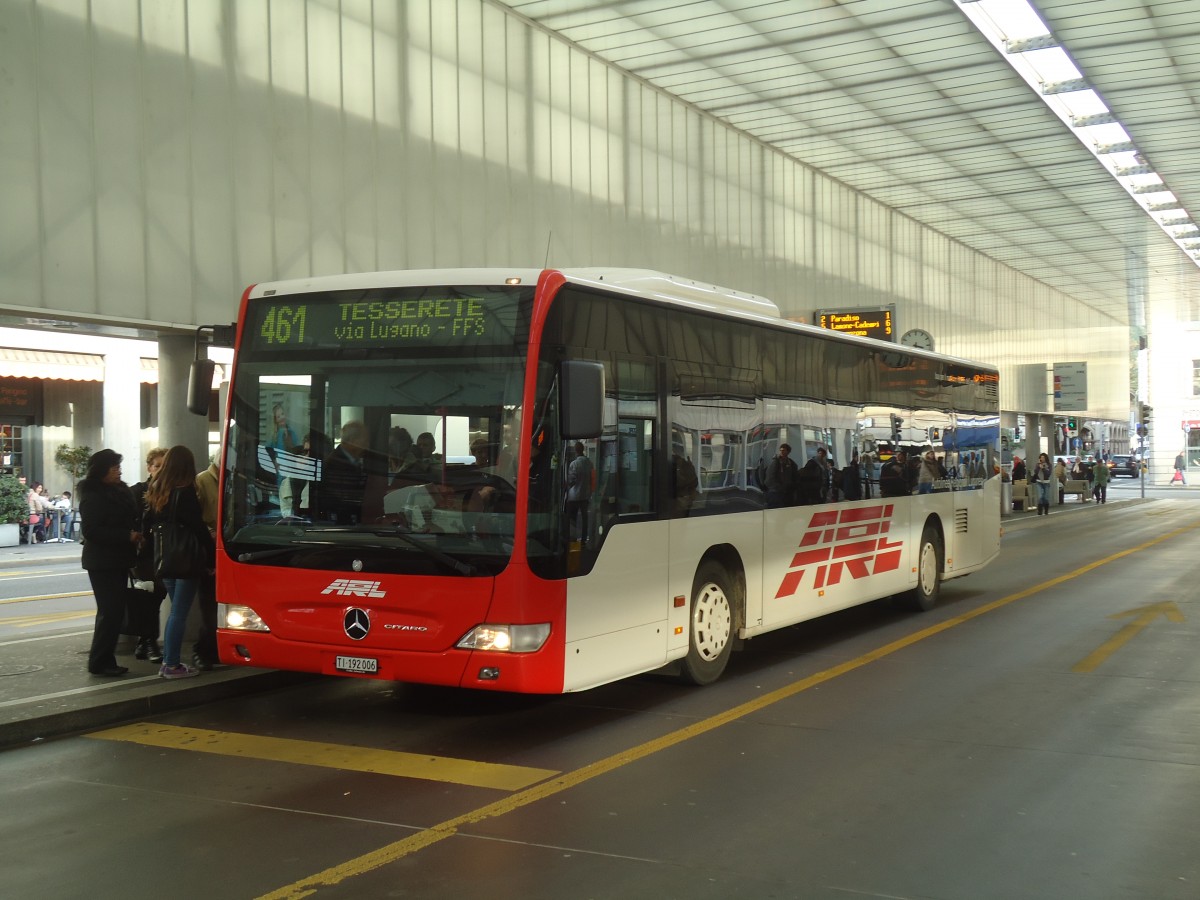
pixel 710 625
pixel 929 569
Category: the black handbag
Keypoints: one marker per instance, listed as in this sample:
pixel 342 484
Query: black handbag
pixel 177 549
pixel 141 613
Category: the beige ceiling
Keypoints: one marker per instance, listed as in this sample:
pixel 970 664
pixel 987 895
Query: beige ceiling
pixel 905 101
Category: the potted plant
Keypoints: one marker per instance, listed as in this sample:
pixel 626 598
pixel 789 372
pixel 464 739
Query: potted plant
pixel 14 509
pixel 73 461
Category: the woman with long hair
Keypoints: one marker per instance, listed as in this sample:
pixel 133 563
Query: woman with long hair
pixel 1041 476
pixel 110 523
pixel 143 569
pixel 172 497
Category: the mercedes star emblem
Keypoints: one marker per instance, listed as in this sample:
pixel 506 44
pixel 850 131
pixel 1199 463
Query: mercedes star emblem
pixel 357 623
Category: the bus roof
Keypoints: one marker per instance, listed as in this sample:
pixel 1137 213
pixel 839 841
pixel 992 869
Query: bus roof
pixel 640 282
pixel 646 284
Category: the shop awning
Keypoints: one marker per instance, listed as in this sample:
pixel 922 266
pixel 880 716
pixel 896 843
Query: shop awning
pixel 47 364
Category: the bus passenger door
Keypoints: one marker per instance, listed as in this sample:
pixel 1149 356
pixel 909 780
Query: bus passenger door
pixel 617 610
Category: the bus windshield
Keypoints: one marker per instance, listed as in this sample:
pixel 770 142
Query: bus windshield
pixel 373 430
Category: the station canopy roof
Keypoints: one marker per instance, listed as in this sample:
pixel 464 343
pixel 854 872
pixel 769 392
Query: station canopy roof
pixel 909 103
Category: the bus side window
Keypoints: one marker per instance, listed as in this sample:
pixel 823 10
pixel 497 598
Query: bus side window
pixel 637 405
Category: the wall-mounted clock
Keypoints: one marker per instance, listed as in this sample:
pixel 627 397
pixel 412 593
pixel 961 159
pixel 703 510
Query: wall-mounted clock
pixel 918 338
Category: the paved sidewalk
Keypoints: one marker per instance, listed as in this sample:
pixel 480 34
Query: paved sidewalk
pixel 46 690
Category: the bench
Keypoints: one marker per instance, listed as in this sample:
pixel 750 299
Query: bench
pixel 1078 487
pixel 1022 495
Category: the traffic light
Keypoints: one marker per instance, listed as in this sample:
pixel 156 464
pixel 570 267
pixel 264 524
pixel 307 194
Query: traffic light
pixel 1072 424
pixel 897 424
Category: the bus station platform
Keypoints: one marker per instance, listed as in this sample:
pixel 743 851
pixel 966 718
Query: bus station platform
pixel 46 690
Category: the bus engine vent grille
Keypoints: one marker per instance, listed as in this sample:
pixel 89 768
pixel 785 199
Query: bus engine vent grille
pixel 962 523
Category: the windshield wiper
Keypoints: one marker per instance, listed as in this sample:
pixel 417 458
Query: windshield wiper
pixel 445 559
pixel 251 555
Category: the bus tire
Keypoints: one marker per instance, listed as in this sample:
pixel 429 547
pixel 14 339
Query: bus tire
pixel 710 625
pixel 924 596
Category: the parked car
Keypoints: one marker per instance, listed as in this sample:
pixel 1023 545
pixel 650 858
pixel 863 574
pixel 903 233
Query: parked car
pixel 1123 464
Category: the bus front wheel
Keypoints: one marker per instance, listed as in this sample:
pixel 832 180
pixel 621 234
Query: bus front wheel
pixel 710 626
pixel 929 570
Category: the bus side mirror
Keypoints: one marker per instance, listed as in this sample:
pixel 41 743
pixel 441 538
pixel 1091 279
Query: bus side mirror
pixel 582 399
pixel 200 378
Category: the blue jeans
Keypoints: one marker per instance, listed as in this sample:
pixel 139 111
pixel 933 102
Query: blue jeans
pixel 1043 493
pixel 181 591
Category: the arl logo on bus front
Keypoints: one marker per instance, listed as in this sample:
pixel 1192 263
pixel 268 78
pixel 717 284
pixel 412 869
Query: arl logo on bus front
pixel 353 587
pixel 852 541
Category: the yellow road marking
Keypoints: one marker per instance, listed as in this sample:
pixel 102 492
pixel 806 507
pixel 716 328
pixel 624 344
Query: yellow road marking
pixel 47 597
pixel 397 850
pixel 330 756
pixel 1144 615
pixel 46 618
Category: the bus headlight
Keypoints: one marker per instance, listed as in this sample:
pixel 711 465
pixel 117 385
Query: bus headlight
pixel 506 638
pixel 239 618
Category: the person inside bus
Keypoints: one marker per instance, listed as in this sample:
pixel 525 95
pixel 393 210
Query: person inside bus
pixel 685 484
pixel 852 479
pixel 426 460
pixel 825 471
pixel 540 474
pixel 867 467
pixel 343 478
pixel 283 440
pixel 894 477
pixel 581 478
pixel 808 483
pixel 401 455
pixel 928 473
pixel 782 478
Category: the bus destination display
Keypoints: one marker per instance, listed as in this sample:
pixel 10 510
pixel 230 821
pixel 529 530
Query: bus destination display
pixel 397 319
pixel 872 323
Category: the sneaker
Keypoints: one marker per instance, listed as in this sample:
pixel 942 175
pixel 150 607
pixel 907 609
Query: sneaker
pixel 179 671
pixel 203 663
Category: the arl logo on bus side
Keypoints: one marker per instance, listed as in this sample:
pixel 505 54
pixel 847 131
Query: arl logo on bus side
pixel 852 540
pixel 354 587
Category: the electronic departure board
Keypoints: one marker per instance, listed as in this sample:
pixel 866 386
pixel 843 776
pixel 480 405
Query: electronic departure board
pixel 394 318
pixel 873 323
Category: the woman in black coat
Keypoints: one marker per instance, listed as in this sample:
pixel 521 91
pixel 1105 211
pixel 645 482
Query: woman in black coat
pixel 109 523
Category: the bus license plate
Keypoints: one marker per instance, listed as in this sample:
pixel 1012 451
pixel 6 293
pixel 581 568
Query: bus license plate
pixel 360 664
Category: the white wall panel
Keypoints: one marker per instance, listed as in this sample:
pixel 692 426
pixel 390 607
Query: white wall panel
pixel 290 134
pixel 20 157
pixel 166 154
pixel 67 172
pixel 250 180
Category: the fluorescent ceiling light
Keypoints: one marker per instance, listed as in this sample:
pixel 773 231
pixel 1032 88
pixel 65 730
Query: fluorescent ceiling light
pixel 1015 29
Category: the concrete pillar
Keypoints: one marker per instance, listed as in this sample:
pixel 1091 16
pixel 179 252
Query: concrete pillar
pixel 176 424
pixel 122 417
pixel 1033 438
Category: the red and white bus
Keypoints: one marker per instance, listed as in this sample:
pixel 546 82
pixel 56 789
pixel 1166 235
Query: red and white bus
pixel 400 447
